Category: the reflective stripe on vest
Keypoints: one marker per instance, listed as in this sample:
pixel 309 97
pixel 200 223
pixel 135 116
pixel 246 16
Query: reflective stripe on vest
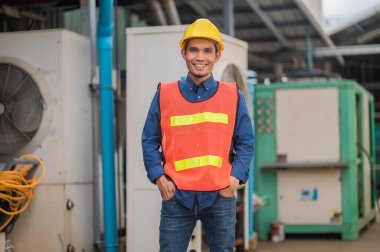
pixel 196 162
pixel 197 137
pixel 198 118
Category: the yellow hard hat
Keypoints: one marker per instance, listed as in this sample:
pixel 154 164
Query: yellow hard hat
pixel 202 28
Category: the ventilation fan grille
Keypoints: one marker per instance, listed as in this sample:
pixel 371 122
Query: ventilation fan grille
pixel 21 108
pixel 232 74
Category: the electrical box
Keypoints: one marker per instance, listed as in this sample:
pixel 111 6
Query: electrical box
pixel 315 157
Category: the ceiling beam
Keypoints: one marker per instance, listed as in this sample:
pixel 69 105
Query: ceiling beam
pixel 201 12
pixel 272 39
pixel 369 35
pixel 268 22
pixel 17 13
pixel 347 50
pixel 244 10
pixel 288 24
pixel 197 8
pixel 218 12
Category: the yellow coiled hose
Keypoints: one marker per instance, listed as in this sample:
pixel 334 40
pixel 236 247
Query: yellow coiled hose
pixel 17 190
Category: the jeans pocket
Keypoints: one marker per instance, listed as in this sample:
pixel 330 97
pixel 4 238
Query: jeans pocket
pixel 224 197
pixel 171 198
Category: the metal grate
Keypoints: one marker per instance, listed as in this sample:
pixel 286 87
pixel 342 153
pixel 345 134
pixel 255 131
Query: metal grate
pixel 21 108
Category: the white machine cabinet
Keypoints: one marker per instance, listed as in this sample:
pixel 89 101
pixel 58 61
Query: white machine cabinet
pixel 58 62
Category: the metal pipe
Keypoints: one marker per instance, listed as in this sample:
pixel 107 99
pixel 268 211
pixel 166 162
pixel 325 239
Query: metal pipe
pixel 88 28
pixel 95 160
pixel 119 139
pixel 105 46
pixel 350 50
pixel 309 50
pixel 171 12
pixel 251 81
pixel 228 13
pixel 157 12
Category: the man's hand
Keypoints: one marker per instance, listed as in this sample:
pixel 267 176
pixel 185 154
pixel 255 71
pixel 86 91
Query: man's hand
pixel 230 191
pixel 166 187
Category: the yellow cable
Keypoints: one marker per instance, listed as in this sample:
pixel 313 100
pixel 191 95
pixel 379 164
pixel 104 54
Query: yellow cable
pixel 17 190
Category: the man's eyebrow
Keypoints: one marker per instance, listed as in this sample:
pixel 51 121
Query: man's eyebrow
pixel 208 48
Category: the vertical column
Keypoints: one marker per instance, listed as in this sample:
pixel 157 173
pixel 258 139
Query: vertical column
pixel 309 50
pixel 348 138
pixel 228 13
pixel 88 29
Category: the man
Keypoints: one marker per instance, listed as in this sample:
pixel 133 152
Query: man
pixel 193 128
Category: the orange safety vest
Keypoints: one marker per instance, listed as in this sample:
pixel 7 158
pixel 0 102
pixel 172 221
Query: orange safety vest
pixel 197 137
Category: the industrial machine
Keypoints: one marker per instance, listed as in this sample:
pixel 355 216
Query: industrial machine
pixel 162 61
pixel 45 109
pixel 315 157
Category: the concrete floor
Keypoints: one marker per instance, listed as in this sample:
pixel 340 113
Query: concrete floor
pixel 369 241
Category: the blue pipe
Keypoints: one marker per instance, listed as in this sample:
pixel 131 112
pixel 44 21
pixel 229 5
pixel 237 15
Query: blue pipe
pixel 251 90
pixel 251 228
pixel 105 26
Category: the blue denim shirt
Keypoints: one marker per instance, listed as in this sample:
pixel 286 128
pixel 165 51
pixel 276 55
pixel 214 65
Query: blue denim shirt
pixel 243 141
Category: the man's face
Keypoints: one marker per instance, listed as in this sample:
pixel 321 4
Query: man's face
pixel 200 56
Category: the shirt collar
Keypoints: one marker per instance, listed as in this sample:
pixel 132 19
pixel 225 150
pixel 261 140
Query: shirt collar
pixel 207 83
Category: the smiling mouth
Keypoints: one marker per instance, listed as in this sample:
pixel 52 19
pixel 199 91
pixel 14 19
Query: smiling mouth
pixel 199 66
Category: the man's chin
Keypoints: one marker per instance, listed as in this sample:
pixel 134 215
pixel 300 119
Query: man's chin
pixel 199 76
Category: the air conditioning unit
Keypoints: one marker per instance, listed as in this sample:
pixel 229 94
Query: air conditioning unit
pixel 315 160
pixel 45 109
pixel 162 61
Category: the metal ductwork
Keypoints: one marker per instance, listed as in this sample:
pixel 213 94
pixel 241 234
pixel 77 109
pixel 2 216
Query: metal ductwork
pixel 170 12
pixel 157 12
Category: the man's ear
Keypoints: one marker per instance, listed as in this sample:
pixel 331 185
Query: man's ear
pixel 183 52
pixel 217 56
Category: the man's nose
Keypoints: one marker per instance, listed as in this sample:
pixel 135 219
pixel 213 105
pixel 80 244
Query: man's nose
pixel 200 56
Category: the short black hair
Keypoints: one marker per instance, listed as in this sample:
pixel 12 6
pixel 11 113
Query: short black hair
pixel 186 43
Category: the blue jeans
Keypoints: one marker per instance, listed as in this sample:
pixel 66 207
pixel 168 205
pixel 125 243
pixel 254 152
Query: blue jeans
pixel 178 222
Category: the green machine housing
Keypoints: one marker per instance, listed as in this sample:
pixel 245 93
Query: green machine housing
pixel 315 157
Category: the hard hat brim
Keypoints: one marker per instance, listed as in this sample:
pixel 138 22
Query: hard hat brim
pixel 219 44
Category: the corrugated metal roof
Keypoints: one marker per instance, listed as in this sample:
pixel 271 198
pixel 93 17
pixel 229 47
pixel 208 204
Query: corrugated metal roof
pixel 275 29
pixel 282 42
pixel 361 29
